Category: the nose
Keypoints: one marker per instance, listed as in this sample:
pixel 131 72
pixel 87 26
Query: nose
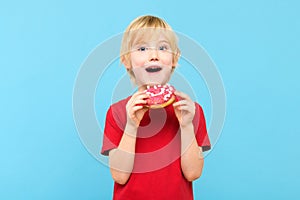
pixel 153 56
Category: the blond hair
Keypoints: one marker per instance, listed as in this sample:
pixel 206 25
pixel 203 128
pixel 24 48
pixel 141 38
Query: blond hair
pixel 142 27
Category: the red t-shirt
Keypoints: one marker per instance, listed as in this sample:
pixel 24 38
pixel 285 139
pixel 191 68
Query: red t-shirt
pixel 157 171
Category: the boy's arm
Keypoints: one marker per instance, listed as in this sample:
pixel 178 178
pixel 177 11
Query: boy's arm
pixel 121 159
pixel 191 154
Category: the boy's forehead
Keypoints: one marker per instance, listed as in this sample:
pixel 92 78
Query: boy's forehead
pixel 151 40
pixel 150 36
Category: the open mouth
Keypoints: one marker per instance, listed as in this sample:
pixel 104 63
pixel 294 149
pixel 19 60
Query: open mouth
pixel 152 69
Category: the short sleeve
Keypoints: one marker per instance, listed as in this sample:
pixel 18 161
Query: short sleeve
pixel 112 132
pixel 200 129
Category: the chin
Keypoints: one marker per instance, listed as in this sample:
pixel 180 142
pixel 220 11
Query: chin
pixel 155 83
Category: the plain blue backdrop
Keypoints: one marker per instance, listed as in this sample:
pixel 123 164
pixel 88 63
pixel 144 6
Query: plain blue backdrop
pixel 255 45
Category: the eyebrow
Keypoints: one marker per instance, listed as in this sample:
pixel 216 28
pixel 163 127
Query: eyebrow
pixel 144 42
pixel 164 41
pixel 138 42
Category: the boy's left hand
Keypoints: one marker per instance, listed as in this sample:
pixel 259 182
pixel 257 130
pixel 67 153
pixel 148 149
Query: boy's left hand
pixel 184 109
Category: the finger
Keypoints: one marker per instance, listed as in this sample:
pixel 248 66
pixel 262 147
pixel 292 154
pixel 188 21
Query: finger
pixel 189 107
pixel 181 102
pixel 142 96
pixel 183 108
pixel 139 101
pixel 139 108
pixel 137 94
pixel 181 94
pixel 134 109
pixel 188 103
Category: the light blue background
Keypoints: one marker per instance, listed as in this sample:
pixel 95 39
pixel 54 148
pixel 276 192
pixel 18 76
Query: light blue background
pixel 255 45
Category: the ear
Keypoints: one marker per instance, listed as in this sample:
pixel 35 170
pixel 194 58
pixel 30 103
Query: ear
pixel 176 57
pixel 126 62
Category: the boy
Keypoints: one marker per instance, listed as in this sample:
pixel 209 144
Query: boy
pixel 153 153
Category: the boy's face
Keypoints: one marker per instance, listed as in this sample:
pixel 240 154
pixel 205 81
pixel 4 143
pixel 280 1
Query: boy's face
pixel 151 61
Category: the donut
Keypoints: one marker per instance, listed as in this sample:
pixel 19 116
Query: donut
pixel 160 96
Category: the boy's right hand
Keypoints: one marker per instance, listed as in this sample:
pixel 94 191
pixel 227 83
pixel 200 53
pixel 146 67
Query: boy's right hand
pixel 135 109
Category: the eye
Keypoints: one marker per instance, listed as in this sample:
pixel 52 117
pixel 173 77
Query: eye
pixel 163 47
pixel 142 48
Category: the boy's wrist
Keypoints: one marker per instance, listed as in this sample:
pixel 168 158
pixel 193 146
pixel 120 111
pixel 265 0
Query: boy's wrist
pixel 130 130
pixel 188 126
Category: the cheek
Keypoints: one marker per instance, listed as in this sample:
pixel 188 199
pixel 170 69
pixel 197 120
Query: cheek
pixel 137 61
pixel 167 59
